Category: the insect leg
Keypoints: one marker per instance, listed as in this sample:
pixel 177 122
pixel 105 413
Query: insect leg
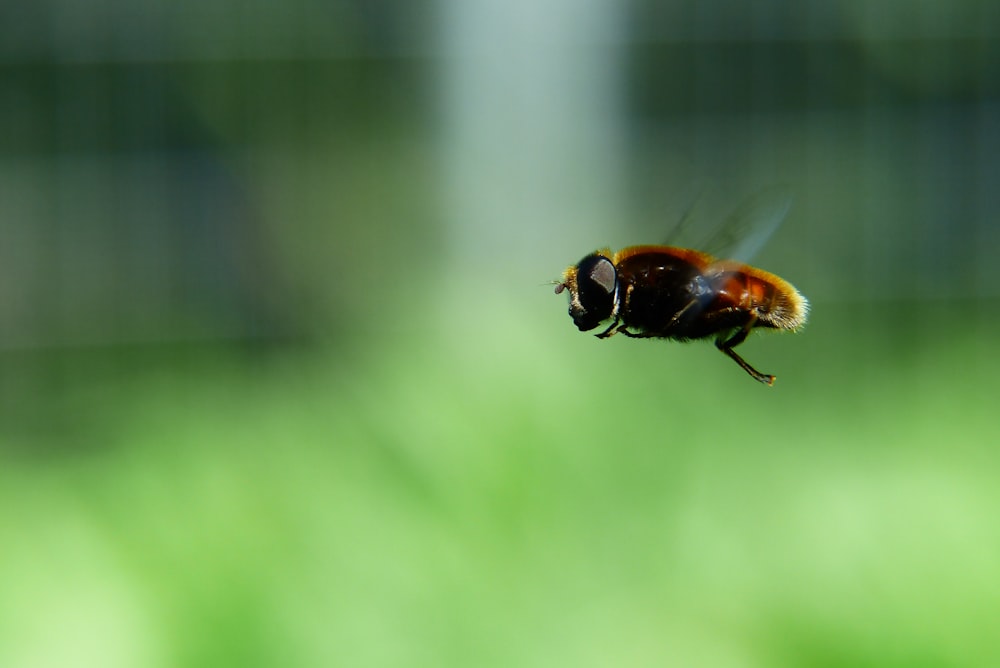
pixel 727 345
pixel 661 332
pixel 610 331
pixel 677 316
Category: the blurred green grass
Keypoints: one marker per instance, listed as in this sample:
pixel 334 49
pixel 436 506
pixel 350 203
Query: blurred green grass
pixel 526 495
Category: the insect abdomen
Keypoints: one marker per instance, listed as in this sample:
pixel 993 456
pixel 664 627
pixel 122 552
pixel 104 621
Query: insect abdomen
pixel 772 300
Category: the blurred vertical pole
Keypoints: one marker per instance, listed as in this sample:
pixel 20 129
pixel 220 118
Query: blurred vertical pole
pixel 531 116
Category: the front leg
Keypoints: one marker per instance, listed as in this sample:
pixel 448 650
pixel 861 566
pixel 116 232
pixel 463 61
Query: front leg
pixel 610 331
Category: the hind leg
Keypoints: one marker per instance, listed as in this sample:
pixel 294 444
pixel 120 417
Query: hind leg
pixel 727 345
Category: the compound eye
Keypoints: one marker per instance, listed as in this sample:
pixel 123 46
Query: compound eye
pixel 600 272
pixel 597 287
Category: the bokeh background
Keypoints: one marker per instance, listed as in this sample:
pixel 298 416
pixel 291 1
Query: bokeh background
pixel 283 380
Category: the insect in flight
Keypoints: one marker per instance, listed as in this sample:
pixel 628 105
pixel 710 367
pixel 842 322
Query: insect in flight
pixel 681 294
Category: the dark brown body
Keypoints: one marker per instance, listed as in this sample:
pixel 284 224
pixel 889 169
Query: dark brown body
pixel 680 294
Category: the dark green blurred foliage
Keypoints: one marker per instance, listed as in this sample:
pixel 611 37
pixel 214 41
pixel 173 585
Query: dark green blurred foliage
pixel 282 380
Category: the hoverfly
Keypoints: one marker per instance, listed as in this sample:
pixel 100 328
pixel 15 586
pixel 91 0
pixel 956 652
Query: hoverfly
pixel 681 294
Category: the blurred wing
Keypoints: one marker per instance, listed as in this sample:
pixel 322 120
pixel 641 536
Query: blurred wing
pixel 741 235
pixel 688 231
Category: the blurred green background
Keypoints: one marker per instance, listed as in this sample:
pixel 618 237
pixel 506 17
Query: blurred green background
pixel 283 380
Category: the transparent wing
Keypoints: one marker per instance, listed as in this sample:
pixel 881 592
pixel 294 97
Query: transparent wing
pixel 741 234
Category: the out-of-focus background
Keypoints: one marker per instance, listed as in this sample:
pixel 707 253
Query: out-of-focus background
pixel 283 380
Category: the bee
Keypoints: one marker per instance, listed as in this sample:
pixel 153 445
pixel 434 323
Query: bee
pixel 666 292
